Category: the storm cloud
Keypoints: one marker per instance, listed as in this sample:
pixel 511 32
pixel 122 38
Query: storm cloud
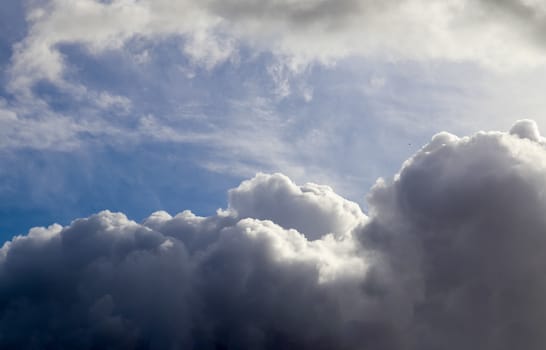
pixel 450 256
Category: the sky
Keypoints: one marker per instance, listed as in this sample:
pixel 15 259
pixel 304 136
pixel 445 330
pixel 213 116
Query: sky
pixel 350 174
pixel 138 106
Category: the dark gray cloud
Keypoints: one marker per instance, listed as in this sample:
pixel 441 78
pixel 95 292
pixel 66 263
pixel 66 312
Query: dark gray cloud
pixel 526 11
pixel 297 14
pixel 464 225
pixel 526 17
pixel 451 256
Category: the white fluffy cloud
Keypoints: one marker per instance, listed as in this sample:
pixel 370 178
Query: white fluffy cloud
pixel 498 34
pixel 276 198
pixel 451 256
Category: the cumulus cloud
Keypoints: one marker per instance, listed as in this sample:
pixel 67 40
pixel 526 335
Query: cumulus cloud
pixel 450 256
pixel 463 225
pixel 277 198
pixel 182 282
pixel 526 129
pixel 498 34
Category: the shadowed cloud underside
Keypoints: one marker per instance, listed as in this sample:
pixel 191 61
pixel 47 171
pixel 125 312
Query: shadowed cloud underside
pixel 450 256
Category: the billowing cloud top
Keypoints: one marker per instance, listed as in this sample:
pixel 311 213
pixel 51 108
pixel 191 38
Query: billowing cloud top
pixel 276 198
pixel 451 257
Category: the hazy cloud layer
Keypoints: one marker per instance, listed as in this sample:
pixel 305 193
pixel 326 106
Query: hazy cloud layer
pixel 450 257
pixel 496 33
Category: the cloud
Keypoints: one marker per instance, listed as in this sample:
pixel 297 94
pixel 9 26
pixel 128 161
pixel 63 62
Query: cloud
pixel 497 34
pixel 526 129
pixel 462 224
pixel 179 282
pixel 276 198
pixel 451 256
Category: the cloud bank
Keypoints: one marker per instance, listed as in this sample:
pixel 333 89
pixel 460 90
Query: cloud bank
pixel 494 33
pixel 450 256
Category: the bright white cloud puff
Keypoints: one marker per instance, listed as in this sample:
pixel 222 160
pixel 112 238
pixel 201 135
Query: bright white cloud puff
pixel 450 257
